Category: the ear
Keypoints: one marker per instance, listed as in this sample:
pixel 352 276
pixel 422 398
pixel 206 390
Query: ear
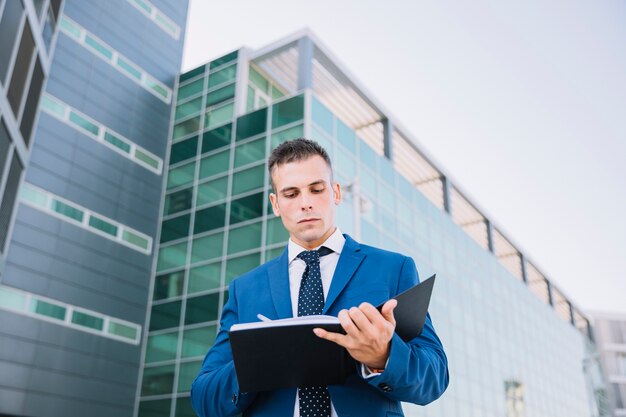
pixel 337 192
pixel 274 202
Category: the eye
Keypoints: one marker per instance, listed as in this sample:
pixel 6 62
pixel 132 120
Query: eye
pixel 290 195
pixel 317 190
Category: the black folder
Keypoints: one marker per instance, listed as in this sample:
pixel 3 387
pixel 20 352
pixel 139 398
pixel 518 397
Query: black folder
pixel 286 353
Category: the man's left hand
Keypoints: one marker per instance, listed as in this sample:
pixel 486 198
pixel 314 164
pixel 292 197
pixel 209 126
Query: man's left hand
pixel 368 333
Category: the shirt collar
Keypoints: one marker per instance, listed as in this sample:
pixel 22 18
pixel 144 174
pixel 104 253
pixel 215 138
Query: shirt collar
pixel 334 242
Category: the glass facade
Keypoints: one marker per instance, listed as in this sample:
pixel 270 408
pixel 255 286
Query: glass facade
pixel 510 351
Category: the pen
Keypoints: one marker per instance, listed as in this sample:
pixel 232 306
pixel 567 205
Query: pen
pixel 262 317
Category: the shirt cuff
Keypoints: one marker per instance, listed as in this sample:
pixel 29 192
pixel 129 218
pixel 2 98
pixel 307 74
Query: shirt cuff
pixel 366 372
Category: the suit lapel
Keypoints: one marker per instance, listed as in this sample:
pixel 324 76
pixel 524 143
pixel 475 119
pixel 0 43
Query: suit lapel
pixel 350 259
pixel 278 277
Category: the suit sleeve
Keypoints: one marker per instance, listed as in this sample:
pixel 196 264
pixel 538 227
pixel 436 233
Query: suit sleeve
pixel 215 391
pixel 417 371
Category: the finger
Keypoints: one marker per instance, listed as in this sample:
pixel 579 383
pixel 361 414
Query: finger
pixel 330 336
pixel 372 314
pixel 387 311
pixel 346 322
pixel 360 319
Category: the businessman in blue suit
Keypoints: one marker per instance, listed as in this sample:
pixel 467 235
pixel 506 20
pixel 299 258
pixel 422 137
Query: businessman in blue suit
pixel 323 271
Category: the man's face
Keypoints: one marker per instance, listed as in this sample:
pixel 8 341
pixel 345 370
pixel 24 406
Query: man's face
pixel 305 200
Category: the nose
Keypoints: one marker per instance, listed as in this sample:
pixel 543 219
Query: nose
pixel 306 202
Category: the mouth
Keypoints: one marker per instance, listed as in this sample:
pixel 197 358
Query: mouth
pixel 305 221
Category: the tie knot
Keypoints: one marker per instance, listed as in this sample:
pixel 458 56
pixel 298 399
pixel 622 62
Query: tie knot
pixel 310 256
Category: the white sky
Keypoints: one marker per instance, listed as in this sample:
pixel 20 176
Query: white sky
pixel 522 104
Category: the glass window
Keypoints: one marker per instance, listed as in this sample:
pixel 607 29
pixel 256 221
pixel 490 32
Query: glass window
pixel 128 67
pixel 322 116
pixel 240 265
pixel 368 156
pixel 186 375
pixel 147 159
pixel 157 380
pixel 161 347
pixel 346 136
pixel 155 408
pixel 191 74
pixel 205 277
pixel 214 164
pixel 244 238
pixel 276 232
pixel 345 163
pixel 33 196
pixel 246 208
pixel 70 28
pixel 212 191
pixel 123 330
pixel 210 218
pixel 276 93
pixel 187 127
pixel 207 247
pixel 215 116
pixel 219 95
pixel 165 315
pixel 288 111
pixel 216 138
pixel 67 210
pixel 196 342
pixel 223 60
pixel 116 141
pixel 369 183
pixel 178 201
pixel 202 309
pixel 274 253
pixel 135 239
pixel 102 225
pixel 145 6
pixel 181 175
pixel 32 101
pixel 53 106
pixel 11 299
pixel 5 144
pixel 190 89
pixel 250 98
pixel 157 87
pixel 10 194
pixel 222 76
pixel 87 320
pixel 169 285
pixel 172 256
pixel 258 80
pixel 288 134
pixel 248 179
pixel 387 172
pixel 175 228
pixel 83 123
pixel 20 69
pixel 47 309
pixel 98 47
pixel 184 150
pixel 9 29
pixel 251 124
pixel 250 152
pixel 188 108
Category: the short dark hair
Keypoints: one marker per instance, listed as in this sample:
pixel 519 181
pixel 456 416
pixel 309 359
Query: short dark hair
pixel 296 150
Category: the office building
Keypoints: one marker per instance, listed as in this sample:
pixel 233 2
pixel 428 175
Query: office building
pixel 80 232
pixel 610 333
pixel 516 344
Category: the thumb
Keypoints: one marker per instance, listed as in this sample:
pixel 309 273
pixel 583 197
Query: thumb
pixel 387 311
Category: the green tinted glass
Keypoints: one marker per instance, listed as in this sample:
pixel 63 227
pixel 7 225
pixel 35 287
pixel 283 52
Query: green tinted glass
pixel 215 116
pixel 212 191
pixel 190 89
pixel 157 380
pixel 202 309
pixel 154 408
pixel 219 95
pixel 248 179
pixel 135 239
pixel 175 228
pixel 346 136
pixel 147 159
pixel 99 47
pixel 116 141
pixel 288 111
pixel 168 285
pixel 214 164
pixel 246 208
pixel 83 123
pixel 192 73
pixel 181 175
pixel 161 347
pixel 216 138
pixel 244 238
pixel 274 253
pixel 103 225
pixel 67 210
pixel 172 256
pixel 184 408
pixel 165 315
pixel 128 68
pixel 196 342
pixel 240 265
pixel 251 124
pixel 123 330
pixel 258 80
pixel 87 320
pixel 207 247
pixel 210 218
pixel 288 134
pixel 187 127
pixel 188 108
pixel 223 60
pixel 223 75
pixel 250 152
pixel 276 232
pixel 11 299
pixel 184 150
pixel 47 309
pixel 322 116
pixel 178 201
pixel 187 373
pixel 206 277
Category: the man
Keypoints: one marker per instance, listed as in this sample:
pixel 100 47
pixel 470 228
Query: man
pixel 353 279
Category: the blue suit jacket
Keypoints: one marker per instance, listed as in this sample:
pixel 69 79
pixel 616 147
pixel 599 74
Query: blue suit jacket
pixel 416 372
